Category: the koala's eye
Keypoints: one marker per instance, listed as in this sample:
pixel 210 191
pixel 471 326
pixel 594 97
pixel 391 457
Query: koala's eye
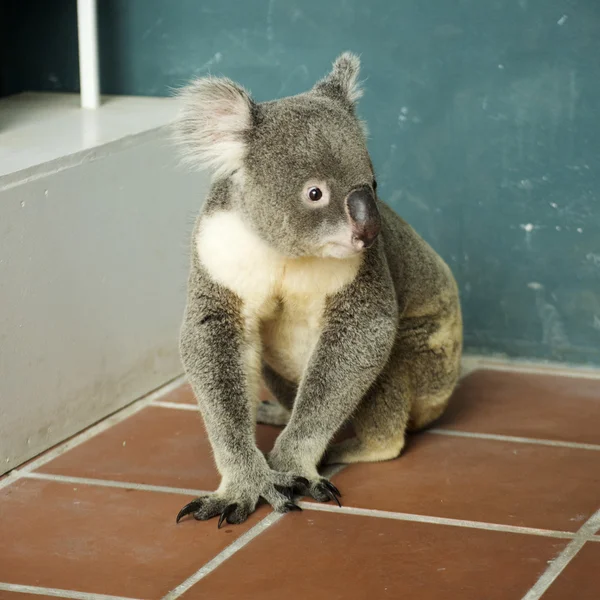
pixel 374 184
pixel 315 194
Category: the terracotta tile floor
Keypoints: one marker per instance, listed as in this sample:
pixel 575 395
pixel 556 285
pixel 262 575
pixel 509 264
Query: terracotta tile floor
pixel 500 500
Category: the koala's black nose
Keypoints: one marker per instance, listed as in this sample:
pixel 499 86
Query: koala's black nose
pixel 364 216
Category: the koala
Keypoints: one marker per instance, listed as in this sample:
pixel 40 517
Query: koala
pixel 303 278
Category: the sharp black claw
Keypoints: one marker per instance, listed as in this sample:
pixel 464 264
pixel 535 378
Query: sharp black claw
pixel 191 507
pixel 225 514
pixel 291 506
pixel 333 488
pixel 302 481
pixel 331 495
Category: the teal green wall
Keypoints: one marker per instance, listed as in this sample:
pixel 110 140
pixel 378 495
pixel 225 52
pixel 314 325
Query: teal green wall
pixel 484 119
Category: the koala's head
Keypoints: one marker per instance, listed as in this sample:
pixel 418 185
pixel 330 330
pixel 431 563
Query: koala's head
pixel 299 166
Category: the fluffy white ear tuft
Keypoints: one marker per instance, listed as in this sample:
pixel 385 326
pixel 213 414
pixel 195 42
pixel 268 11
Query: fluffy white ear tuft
pixel 342 82
pixel 215 117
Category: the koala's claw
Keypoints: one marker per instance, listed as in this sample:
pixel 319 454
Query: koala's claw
pixel 320 489
pixel 324 491
pixel 327 488
pixel 332 487
pixel 189 508
pixel 207 507
pixel 297 484
pixel 235 506
pixel 227 511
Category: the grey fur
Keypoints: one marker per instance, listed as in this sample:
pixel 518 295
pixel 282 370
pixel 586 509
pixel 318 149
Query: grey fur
pixel 388 350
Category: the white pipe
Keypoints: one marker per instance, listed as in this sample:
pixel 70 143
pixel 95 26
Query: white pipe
pixel 89 75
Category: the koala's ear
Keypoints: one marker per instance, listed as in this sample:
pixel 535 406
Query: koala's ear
pixel 342 83
pixel 215 117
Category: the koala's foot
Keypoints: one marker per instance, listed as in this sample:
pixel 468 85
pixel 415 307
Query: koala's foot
pixel 321 490
pixel 207 507
pixel 355 450
pixel 307 484
pixel 272 413
pixel 237 503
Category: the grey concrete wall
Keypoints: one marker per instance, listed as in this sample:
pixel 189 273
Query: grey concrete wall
pixel 93 263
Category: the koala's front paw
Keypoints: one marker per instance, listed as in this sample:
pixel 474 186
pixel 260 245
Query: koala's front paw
pixel 308 484
pixel 321 490
pixel 237 502
pixel 211 505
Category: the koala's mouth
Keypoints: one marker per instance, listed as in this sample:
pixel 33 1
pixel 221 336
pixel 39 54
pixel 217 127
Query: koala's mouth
pixel 342 250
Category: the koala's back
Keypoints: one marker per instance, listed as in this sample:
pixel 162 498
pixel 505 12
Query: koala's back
pixel 429 338
pixel 423 281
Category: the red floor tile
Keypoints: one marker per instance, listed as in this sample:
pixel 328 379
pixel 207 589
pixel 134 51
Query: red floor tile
pixel 526 405
pixel 330 556
pixel 481 480
pixel 103 540
pixel 125 542
pixel 184 395
pixel 581 578
pixel 181 395
pixel 157 446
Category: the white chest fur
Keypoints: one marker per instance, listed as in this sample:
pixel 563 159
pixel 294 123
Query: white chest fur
pixel 283 298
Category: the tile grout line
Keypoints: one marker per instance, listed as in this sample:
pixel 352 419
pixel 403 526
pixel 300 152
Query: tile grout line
pixel 144 487
pixel 557 566
pixel 92 431
pixel 57 593
pixel 415 518
pixel 175 405
pixel 512 438
pixel 329 472
pixel 220 558
pixel 450 432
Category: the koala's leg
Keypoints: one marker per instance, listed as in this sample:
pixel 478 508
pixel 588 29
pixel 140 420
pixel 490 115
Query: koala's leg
pixel 272 413
pixel 411 392
pixel 225 380
pixel 278 412
pixel 284 391
pixel 380 421
pixel 352 350
pixel 428 408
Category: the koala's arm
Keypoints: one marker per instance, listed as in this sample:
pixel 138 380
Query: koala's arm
pixel 360 325
pixel 211 345
pixel 215 351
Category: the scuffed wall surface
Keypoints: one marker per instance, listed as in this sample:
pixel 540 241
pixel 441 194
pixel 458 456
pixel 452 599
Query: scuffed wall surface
pixel 93 265
pixel 484 120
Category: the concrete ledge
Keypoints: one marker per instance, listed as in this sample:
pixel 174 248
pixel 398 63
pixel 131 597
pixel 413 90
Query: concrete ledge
pixel 93 267
pixel 473 362
pixel 45 132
